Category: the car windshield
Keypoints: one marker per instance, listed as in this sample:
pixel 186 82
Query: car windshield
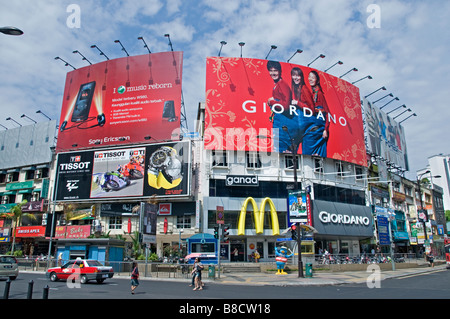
pixel 7 260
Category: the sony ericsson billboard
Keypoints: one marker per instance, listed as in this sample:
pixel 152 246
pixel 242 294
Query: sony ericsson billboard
pixel 161 169
pixel 269 106
pixel 122 101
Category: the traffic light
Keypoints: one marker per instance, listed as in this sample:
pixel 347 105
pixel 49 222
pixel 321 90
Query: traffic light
pixel 225 233
pixel 216 232
pixel 294 232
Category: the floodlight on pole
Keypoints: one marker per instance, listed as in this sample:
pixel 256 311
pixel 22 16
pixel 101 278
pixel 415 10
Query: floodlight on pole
pixel 414 114
pixel 354 69
pixel 241 44
pixel 23 115
pixel 123 48
pixel 272 47
pixel 297 51
pixel 11 119
pixel 320 56
pixel 338 62
pixel 40 112
pixel 101 52
pixel 366 77
pixel 222 43
pixel 145 44
pixel 11 31
pixel 381 88
pixel 394 99
pixel 83 57
pixel 66 63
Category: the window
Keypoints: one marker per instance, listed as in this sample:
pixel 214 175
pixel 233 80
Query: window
pixel 253 160
pixel 115 222
pixel 289 162
pixel 318 165
pixel 219 158
pixel 184 221
pixel 359 173
pixel 340 169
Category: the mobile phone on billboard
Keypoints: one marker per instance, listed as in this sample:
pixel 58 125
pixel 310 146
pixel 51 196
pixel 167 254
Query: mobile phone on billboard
pixel 83 102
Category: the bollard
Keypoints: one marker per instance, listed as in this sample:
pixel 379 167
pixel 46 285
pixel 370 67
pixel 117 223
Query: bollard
pixel 7 286
pixel 45 293
pixel 30 290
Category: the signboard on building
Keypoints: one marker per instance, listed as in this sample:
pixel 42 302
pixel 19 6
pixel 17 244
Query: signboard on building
pixel 247 106
pixel 149 170
pixel 122 101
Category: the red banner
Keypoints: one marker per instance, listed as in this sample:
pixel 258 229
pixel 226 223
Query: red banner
pixel 122 101
pixel 77 231
pixel 30 231
pixel 259 105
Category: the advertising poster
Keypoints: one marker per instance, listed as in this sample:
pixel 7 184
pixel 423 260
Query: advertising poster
pixel 269 106
pixel 385 137
pixel 149 170
pixel 297 207
pixel 121 101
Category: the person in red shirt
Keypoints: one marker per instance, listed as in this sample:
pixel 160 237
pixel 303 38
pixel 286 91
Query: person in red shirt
pixel 317 125
pixel 281 115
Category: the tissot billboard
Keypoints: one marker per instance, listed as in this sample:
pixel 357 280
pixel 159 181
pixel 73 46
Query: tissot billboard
pixel 250 101
pixel 121 101
pixel 159 169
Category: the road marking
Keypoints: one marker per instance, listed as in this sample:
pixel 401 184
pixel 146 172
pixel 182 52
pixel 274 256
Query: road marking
pixel 420 274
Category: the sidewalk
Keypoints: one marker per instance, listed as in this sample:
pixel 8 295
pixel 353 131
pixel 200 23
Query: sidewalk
pixel 319 278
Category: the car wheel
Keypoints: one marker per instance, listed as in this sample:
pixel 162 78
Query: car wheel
pixel 83 279
pixel 53 277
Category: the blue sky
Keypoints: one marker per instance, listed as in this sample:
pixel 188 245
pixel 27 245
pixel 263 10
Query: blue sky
pixel 408 53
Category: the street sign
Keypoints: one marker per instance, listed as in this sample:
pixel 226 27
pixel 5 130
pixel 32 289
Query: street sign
pixel 220 216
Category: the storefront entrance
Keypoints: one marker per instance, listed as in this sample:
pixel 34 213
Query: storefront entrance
pixel 238 250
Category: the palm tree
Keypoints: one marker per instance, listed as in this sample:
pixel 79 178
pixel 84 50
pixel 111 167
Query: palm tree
pixel 16 214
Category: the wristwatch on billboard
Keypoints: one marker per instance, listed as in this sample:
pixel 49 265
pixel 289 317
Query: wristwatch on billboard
pixel 164 169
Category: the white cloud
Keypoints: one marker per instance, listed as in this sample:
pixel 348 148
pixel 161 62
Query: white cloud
pixel 408 54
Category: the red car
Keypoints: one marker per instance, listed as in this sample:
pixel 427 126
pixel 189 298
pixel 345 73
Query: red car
pixel 81 269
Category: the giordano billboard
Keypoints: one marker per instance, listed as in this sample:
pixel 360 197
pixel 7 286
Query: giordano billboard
pixel 158 169
pixel 260 105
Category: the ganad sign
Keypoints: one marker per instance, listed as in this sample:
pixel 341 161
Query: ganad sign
pixel 237 180
pixel 326 217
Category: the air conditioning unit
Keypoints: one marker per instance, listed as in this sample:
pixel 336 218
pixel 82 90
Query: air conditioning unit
pixel 5 199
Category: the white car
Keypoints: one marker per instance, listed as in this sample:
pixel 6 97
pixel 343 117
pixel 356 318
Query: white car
pixel 9 267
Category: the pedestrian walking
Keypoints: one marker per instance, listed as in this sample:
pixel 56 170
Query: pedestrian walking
pixel 197 274
pixel 134 277
pixel 430 259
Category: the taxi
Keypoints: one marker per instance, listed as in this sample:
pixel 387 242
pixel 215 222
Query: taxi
pixel 81 269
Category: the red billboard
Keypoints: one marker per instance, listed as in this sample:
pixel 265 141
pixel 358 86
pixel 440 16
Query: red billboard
pixel 269 106
pixel 122 101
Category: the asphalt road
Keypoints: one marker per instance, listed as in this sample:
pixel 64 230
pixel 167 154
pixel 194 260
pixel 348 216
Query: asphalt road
pixel 177 296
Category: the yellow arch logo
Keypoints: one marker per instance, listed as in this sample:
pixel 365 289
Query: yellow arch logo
pixel 258 216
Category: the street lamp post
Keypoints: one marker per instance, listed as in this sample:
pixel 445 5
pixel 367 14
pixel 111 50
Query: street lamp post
pixel 299 229
pixel 421 202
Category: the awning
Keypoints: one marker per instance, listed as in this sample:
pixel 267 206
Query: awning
pixel 82 217
pixel 9 193
pixel 25 191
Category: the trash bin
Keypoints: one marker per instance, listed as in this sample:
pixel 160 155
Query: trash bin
pixel 211 271
pixel 309 270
